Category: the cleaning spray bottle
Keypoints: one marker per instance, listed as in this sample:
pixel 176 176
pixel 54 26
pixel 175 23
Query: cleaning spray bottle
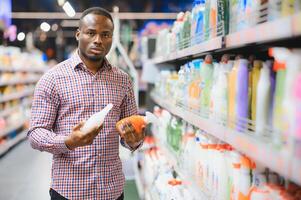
pixel 280 55
pixel 232 79
pixel 255 78
pixel 245 178
pixel 206 84
pixel 263 100
pixel 139 122
pixel 242 94
pixel 96 119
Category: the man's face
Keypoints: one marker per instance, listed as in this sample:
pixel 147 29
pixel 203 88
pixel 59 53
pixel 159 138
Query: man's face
pixel 95 37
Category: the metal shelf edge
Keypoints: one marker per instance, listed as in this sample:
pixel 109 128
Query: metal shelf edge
pixel 277 160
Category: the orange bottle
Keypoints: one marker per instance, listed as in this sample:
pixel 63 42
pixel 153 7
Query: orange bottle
pixel 138 122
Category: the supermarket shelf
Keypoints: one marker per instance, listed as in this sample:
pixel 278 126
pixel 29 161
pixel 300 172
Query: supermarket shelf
pixel 189 180
pixel 279 161
pixel 6 146
pixel 8 111
pixel 16 126
pixel 29 70
pixel 16 95
pixel 268 31
pixel 282 28
pixel 16 82
pixel 297 24
pixel 213 44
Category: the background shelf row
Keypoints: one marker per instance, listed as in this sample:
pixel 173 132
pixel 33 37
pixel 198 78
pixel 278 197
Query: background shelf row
pixel 279 160
pixel 23 69
pixel 16 82
pixel 9 144
pixel 16 95
pixel 283 28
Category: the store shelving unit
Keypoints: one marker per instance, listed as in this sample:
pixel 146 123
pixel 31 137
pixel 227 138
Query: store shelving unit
pixel 189 181
pixel 210 45
pixel 261 150
pixel 278 29
pixel 277 160
pixel 17 95
pixel 17 82
pixel 6 146
pixel 19 72
pixel 16 126
pixel 23 69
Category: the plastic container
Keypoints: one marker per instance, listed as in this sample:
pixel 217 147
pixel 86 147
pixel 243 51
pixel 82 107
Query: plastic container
pixel 263 100
pixel 242 94
pixel 97 119
pixel 255 78
pixel 138 122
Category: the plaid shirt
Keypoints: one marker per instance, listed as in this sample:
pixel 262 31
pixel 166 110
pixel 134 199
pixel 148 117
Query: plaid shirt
pixel 66 95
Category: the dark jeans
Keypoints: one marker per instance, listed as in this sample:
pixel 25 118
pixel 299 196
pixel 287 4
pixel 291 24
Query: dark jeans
pixel 56 196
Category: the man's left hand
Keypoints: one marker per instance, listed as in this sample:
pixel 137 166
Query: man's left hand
pixel 130 136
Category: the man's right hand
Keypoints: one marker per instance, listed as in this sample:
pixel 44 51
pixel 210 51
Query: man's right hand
pixel 79 139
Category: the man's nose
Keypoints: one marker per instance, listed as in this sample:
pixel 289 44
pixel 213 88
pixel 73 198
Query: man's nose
pixel 98 39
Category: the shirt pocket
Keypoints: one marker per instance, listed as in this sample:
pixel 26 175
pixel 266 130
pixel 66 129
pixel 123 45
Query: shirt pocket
pixel 74 95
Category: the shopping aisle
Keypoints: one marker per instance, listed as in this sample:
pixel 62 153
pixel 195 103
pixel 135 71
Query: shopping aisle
pixel 25 174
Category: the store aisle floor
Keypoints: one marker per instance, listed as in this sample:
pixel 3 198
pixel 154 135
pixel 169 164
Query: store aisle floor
pixel 25 174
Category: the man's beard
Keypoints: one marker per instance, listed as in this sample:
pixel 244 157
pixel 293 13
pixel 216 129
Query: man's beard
pixel 93 58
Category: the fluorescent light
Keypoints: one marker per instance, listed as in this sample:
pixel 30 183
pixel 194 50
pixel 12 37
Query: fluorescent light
pixel 45 26
pixel 54 27
pixel 21 36
pixel 61 2
pixel 68 9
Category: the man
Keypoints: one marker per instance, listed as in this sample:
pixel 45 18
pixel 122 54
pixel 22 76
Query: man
pixel 85 166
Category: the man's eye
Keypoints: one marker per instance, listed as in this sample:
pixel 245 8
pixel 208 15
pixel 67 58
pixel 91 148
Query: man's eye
pixel 106 35
pixel 91 33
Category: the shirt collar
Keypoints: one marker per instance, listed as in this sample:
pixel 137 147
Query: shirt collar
pixel 77 62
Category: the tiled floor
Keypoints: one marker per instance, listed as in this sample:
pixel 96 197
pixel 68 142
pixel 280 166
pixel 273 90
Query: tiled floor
pixel 25 175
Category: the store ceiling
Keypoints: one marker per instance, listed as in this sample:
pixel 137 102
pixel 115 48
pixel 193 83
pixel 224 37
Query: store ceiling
pixel 80 5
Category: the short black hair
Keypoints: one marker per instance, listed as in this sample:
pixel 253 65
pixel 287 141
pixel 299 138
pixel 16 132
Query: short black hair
pixel 97 11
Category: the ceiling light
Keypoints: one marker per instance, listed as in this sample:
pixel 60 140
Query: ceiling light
pixel 61 2
pixel 21 36
pixel 54 27
pixel 45 26
pixel 69 9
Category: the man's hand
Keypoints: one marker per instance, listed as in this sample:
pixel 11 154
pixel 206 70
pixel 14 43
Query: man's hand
pixel 78 138
pixel 130 136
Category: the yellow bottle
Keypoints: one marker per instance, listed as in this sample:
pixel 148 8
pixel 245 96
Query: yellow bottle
pixel 255 78
pixel 232 78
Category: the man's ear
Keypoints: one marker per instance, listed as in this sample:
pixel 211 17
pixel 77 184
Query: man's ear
pixel 77 34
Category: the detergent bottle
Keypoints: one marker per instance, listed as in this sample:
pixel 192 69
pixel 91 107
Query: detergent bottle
pixel 97 119
pixel 242 89
pixel 255 78
pixel 236 165
pixel 206 84
pixel 280 55
pixel 263 100
pixel 232 79
pixel 293 70
pixel 138 122
pixel 245 178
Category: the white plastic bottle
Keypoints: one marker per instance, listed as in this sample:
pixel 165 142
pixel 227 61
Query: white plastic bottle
pixel 245 178
pixel 97 119
pixel 263 100
pixel 236 165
